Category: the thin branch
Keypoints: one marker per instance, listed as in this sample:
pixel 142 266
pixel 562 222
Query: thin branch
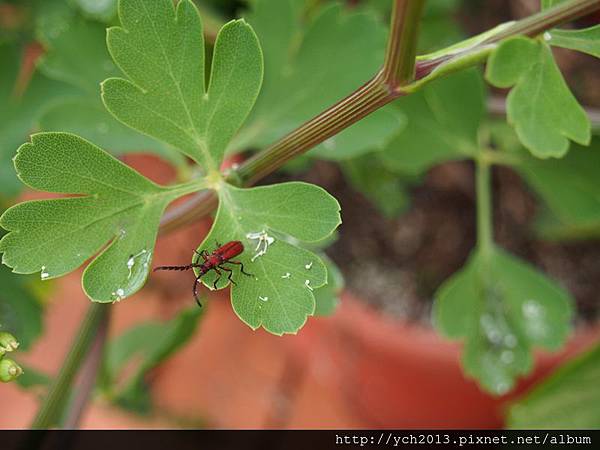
pixel 88 376
pixel 51 410
pixel 399 63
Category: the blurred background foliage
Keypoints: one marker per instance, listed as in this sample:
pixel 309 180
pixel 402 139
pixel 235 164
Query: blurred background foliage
pixel 53 58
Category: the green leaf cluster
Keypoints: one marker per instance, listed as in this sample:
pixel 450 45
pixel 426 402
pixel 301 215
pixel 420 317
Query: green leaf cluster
pixel 113 212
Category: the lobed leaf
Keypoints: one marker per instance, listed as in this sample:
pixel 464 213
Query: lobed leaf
pixel 114 204
pixel 501 307
pixel 569 398
pixel 540 106
pixel 161 50
pixel 279 296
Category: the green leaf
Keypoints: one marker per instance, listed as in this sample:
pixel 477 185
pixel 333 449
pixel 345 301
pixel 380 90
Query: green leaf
pixel 20 110
pixel 115 204
pixel 150 344
pixel 540 106
pixel 77 55
pixel 384 188
pixel 567 399
pixel 279 296
pixel 76 51
pixel 327 297
pixel 32 378
pixel 20 311
pixel 585 41
pixel 550 3
pixel 501 307
pixel 161 50
pixel 569 187
pixel 309 67
pixel 443 122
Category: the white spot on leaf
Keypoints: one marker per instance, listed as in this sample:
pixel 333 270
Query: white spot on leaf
pixel 307 284
pixel 262 244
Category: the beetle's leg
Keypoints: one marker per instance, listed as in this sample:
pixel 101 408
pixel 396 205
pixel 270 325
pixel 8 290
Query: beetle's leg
pixel 218 278
pixel 241 267
pixel 203 253
pixel 219 245
pixel 195 259
pixel 195 290
pixel 230 273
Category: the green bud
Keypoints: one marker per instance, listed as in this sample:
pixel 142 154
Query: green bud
pixel 9 370
pixel 8 342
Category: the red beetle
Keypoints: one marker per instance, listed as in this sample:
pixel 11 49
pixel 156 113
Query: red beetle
pixel 213 261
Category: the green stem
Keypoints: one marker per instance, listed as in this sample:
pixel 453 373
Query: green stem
pixel 52 409
pixel 399 63
pixel 485 230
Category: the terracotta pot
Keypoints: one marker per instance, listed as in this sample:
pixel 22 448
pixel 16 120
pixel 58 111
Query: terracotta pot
pixel 395 374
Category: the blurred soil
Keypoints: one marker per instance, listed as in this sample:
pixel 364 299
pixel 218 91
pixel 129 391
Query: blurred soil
pixel 397 264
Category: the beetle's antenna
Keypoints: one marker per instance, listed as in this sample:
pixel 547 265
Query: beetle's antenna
pixel 188 267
